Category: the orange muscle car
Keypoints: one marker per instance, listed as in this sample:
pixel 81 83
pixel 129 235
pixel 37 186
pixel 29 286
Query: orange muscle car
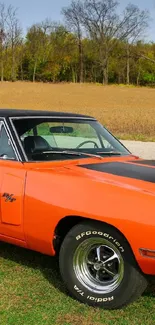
pixel 70 188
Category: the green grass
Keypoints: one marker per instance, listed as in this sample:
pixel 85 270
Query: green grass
pixel 32 293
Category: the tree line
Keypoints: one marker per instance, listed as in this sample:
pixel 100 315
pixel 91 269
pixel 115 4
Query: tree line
pixel 95 42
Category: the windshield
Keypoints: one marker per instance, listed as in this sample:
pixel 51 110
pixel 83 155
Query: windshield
pixel 50 139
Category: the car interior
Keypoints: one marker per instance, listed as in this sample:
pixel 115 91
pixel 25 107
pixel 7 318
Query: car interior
pixel 34 144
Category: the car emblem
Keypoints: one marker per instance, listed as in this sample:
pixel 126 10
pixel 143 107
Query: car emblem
pixel 9 197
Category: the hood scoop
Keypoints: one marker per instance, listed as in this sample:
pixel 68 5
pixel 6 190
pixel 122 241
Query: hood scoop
pixel 129 170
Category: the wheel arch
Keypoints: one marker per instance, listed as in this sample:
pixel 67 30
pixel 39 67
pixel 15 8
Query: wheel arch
pixel 68 222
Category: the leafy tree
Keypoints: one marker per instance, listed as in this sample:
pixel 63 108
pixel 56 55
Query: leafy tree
pixel 72 15
pixel 97 44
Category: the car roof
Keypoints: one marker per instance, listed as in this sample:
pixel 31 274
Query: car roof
pixel 26 113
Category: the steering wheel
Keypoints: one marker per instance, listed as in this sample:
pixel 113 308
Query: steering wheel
pixel 85 142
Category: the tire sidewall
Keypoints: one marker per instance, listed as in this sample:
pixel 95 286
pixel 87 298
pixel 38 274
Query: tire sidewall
pixel 72 241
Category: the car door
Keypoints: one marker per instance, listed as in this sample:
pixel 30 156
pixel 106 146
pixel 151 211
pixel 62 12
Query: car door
pixel 12 187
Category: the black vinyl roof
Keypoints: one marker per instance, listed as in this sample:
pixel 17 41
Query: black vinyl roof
pixel 26 113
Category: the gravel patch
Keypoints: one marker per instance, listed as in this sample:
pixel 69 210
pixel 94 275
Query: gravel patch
pixel 144 150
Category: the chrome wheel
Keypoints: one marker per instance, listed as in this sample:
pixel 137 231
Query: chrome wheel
pixel 98 265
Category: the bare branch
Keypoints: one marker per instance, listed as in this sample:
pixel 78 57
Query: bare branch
pixel 103 25
pixel 73 15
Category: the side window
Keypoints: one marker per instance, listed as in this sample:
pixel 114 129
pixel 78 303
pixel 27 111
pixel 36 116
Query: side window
pixel 6 150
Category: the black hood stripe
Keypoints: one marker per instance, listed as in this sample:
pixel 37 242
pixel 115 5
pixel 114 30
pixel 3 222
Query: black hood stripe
pixel 144 162
pixel 129 170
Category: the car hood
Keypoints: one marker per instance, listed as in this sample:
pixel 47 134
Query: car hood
pixel 129 172
pixel 138 173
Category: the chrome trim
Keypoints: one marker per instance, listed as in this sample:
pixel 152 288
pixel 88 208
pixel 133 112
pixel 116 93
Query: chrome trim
pixel 52 117
pixel 98 265
pixel 10 137
pixel 18 139
pixel 1 123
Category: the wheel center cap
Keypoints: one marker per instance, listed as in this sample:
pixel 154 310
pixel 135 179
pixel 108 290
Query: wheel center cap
pixel 97 266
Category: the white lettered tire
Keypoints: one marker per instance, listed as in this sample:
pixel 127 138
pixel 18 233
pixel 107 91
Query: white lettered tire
pixel 98 267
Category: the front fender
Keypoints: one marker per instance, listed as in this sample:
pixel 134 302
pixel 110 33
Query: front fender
pixel 52 196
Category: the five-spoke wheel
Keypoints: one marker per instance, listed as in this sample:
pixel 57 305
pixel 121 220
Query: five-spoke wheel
pixel 98 265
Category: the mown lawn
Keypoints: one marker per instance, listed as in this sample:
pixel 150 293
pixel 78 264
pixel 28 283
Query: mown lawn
pixel 32 293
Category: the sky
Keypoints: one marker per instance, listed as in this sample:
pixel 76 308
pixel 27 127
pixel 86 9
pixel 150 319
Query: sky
pixel 33 11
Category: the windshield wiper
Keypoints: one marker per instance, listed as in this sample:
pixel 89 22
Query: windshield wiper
pixel 72 153
pixel 110 153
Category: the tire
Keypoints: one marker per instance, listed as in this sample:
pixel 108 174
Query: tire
pixel 109 285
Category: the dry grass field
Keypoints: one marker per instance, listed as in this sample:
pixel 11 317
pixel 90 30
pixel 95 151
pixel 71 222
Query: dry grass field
pixel 129 112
